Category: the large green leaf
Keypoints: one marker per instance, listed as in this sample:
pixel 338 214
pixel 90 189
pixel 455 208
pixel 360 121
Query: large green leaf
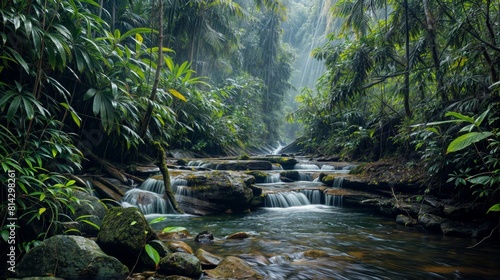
pixel 466 140
pixel 152 253
pixel 494 208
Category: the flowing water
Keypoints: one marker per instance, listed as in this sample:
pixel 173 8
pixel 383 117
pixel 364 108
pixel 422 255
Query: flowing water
pixel 360 245
pixel 298 217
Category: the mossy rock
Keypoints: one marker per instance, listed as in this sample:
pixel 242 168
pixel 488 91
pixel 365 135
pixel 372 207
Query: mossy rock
pixel 260 176
pixel 182 264
pixel 314 254
pixel 327 179
pixel 290 175
pixel 124 232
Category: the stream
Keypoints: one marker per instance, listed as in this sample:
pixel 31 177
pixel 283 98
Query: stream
pixel 359 243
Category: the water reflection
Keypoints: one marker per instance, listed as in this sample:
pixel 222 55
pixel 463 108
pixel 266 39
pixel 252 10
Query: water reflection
pixel 359 245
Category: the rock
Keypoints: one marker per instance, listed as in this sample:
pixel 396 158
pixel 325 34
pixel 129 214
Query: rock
pixel 405 220
pixel 179 246
pixel 207 260
pixel 124 233
pixel 241 165
pixel 314 254
pixel 225 190
pixel 180 264
pixel 91 207
pixel 327 179
pixel 290 176
pixel 160 247
pixel 204 237
pixel 431 222
pixel 70 257
pixel 233 268
pixel 452 228
pixel 238 235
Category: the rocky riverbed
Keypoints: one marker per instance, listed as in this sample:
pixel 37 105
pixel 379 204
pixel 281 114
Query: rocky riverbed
pixel 116 247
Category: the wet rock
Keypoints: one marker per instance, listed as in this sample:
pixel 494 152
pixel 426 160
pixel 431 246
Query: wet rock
pixel 204 237
pixel 91 207
pixel 182 264
pixel 238 235
pixel 124 233
pixel 289 176
pixel 240 165
pixel 222 190
pixel 314 254
pixel 453 228
pixel 207 260
pixel 405 220
pixel 431 222
pixel 179 246
pixel 233 268
pixel 327 179
pixel 70 257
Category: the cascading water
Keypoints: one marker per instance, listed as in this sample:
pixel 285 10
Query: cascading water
pixel 314 196
pixel 305 166
pixel 338 182
pixel 148 202
pixel 271 179
pixel 334 200
pixel 286 199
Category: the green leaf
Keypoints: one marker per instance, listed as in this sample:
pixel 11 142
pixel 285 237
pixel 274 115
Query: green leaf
pixel 173 229
pixel 133 223
pixel 494 208
pixel 41 210
pixel 460 117
pixel 466 140
pixel 157 220
pixel 152 253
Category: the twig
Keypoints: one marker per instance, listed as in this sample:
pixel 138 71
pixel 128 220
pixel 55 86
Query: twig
pixel 491 233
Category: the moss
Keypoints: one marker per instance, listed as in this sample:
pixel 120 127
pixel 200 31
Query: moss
pixel 327 179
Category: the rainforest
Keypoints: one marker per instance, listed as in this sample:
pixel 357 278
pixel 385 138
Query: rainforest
pixel 144 90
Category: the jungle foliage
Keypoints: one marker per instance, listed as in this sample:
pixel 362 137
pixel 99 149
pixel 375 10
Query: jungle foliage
pixel 412 79
pixel 85 75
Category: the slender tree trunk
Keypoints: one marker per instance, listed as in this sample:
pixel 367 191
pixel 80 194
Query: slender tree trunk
pixel 429 19
pixel 149 111
pixel 162 163
pixel 407 70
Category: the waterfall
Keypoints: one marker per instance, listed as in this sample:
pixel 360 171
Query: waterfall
pixel 199 163
pixel 148 202
pixel 338 182
pixel 314 196
pixel 275 178
pixel 153 185
pixel 328 167
pixel 149 197
pixel 334 200
pixel 305 166
pixel 305 177
pixel 285 199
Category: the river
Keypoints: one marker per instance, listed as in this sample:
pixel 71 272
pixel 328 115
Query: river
pixel 359 243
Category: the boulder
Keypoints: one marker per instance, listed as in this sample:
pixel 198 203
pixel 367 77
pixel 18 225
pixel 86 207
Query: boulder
pixel 92 209
pixel 124 233
pixel 70 257
pixel 289 176
pixel 207 260
pixel 233 268
pixel 431 222
pixel 182 264
pixel 241 165
pixel 179 246
pixel 221 189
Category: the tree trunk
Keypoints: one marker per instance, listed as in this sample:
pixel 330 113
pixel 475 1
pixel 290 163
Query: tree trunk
pixel 434 51
pixel 149 111
pixel 407 70
pixel 162 164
